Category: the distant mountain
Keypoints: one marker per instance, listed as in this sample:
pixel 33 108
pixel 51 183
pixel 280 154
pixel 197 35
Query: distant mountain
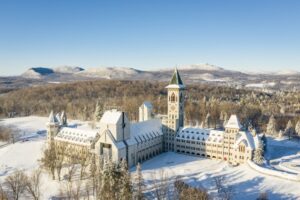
pixel 68 69
pixel 287 72
pixel 111 73
pixel 191 74
pixel 204 67
pixel 37 72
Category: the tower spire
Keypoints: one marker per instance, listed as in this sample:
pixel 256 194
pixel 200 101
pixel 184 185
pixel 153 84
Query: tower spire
pixel 176 79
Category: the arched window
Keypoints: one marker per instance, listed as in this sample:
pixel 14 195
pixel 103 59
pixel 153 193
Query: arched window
pixel 242 148
pixel 173 97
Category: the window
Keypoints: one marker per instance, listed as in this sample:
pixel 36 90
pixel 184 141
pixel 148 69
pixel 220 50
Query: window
pixel 242 149
pixel 173 97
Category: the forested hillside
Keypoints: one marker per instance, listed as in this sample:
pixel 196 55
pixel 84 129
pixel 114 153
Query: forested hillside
pixel 79 101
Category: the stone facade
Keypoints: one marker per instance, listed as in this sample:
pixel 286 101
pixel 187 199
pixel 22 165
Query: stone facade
pixel 117 138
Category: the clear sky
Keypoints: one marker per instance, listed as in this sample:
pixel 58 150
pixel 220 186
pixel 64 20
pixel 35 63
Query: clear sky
pixel 243 35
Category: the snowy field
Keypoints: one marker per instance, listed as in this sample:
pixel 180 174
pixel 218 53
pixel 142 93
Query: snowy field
pixel 247 183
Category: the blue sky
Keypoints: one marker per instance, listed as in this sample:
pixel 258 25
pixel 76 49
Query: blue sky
pixel 146 34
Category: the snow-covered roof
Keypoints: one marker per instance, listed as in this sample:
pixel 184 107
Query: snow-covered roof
pixel 246 138
pixel 76 136
pixel 233 122
pixel 175 86
pixel 201 134
pixel 52 118
pixel 111 117
pixel 147 104
pixel 146 130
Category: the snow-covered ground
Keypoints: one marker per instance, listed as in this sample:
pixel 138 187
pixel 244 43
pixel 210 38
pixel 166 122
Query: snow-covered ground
pixel 284 155
pixel 247 183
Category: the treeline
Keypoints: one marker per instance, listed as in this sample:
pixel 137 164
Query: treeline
pixel 79 101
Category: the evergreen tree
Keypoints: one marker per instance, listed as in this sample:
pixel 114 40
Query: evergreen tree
pixel 98 112
pixel 225 119
pixel 297 128
pixel 139 183
pixel 259 154
pixel 271 127
pixel 280 134
pixel 125 181
pixel 289 130
pixel 264 141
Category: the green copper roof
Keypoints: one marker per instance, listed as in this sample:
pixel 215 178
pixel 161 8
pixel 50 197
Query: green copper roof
pixel 176 80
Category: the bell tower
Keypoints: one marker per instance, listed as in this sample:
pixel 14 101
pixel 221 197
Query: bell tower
pixel 175 118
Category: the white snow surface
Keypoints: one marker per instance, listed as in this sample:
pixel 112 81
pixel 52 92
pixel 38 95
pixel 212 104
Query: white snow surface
pixel 233 122
pixel 247 182
pixel 260 85
pixel 207 67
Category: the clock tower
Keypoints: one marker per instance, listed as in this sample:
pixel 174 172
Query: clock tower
pixel 175 118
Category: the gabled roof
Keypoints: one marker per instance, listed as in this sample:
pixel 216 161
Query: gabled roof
pixel 146 130
pixel 176 81
pixel 233 122
pixel 111 117
pixel 247 139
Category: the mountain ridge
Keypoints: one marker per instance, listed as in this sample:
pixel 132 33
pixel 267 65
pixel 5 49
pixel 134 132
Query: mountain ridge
pixel 191 74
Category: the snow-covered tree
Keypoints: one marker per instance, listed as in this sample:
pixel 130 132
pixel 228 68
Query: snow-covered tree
pixel 208 121
pixel 125 181
pixel 98 112
pixel 139 183
pixel 259 154
pixel 272 126
pixel 280 134
pixel 297 128
pixel 289 130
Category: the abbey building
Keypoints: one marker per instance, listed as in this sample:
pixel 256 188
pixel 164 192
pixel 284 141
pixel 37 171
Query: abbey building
pixel 117 138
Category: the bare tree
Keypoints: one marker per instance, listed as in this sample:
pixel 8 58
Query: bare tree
pixel 139 183
pixel 262 196
pixel 71 190
pixel 160 185
pixel 185 192
pixel 3 193
pixel 84 161
pixel 71 169
pixel 48 160
pixel 33 184
pixel 60 158
pixel 225 192
pixel 16 184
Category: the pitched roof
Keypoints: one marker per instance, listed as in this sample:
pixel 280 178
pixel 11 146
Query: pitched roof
pixel 150 128
pixel 176 79
pixel 111 117
pixel 52 118
pixel 77 136
pixel 201 134
pixel 233 122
